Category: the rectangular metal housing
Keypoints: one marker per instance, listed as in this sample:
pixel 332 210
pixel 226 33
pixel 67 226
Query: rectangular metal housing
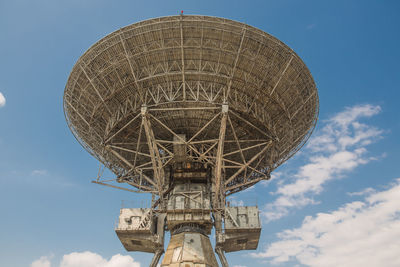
pixel 242 229
pixel 189 203
pixel 141 230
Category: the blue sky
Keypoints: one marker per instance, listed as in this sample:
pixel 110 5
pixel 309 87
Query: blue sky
pixel 334 203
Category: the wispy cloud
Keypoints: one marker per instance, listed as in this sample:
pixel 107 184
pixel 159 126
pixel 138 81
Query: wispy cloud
pixel 339 147
pixel 311 26
pixel 274 175
pixel 366 191
pixel 235 202
pixel 2 100
pixel 41 172
pixel 360 233
pixel 88 259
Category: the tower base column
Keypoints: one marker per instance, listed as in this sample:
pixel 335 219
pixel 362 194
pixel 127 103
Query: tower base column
pixel 189 249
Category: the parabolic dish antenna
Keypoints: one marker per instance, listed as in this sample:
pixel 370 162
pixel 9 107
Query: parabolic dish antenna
pixel 191 109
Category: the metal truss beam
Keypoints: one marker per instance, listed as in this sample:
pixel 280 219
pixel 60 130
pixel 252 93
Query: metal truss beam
pixel 183 61
pixel 133 168
pixel 234 65
pixel 154 153
pixel 190 146
pixel 220 151
pixel 267 146
pixel 121 129
pixel 149 190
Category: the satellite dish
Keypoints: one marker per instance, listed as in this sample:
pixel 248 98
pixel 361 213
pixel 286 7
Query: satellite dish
pixel 191 109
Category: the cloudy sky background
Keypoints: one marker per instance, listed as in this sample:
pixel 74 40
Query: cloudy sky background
pixel 334 204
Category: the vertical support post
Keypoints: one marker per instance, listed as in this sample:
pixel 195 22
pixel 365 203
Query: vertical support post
pixel 221 257
pixel 218 200
pixel 220 149
pixel 155 155
pixel 156 258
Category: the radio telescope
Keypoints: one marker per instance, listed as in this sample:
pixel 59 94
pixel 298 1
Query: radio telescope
pixel 190 109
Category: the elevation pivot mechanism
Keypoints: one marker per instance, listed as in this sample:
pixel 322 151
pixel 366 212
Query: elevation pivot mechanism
pixel 190 109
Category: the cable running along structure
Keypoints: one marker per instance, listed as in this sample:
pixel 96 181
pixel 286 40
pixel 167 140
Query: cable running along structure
pixel 190 109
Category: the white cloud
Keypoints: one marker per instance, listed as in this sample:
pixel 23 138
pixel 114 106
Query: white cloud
pixel 344 129
pixel 339 147
pixel 2 100
pixel 361 233
pixel 89 259
pixel 235 202
pixel 364 192
pixel 42 262
pixel 274 175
